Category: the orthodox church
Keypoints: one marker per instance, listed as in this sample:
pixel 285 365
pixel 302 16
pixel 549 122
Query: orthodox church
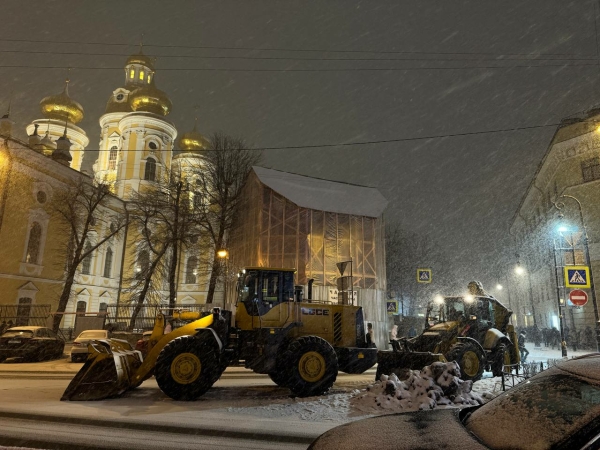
pixel 287 220
pixel 137 142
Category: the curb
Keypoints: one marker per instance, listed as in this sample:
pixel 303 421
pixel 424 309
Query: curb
pixel 255 435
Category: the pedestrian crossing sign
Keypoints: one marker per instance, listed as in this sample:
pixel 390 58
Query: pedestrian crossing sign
pixel 392 307
pixel 577 276
pixel 423 275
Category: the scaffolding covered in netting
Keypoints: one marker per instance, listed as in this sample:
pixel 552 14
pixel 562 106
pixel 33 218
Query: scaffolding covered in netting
pixel 273 231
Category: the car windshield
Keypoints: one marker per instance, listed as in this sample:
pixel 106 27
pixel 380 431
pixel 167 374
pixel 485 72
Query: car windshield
pixel 539 414
pixel 18 333
pixel 92 334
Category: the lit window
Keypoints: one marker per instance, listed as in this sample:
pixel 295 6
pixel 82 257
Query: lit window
pixel 112 158
pixel 148 78
pixel 142 75
pixel 131 73
pixel 33 245
pixel 143 265
pixel 192 270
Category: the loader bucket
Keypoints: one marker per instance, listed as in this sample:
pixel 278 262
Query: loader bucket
pixel 389 362
pixel 107 372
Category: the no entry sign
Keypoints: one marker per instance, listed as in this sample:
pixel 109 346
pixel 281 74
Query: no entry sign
pixel 578 297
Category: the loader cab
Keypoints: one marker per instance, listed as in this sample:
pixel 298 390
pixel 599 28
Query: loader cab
pixel 261 289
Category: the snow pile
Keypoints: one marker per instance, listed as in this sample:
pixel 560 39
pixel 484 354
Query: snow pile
pixel 436 385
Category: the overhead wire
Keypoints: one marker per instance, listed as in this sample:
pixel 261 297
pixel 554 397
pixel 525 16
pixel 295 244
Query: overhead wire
pixel 354 69
pixel 498 58
pixel 387 141
pixel 279 49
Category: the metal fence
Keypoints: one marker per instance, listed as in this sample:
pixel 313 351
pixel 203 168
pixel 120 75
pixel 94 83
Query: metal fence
pixel 119 317
pixel 520 372
pixel 23 315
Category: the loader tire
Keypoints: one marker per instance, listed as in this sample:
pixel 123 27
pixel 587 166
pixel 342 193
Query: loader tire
pixel 187 367
pixel 311 366
pixel 279 378
pixel 470 358
pixel 502 359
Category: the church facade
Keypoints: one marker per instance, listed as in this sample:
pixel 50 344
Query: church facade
pixel 137 144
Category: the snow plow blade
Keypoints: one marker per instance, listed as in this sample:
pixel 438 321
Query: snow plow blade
pixel 107 372
pixel 389 362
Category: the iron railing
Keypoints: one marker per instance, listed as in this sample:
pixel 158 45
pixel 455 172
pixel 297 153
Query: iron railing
pixel 119 317
pixel 24 315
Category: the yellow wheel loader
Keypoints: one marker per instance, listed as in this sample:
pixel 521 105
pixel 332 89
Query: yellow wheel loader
pixel 471 330
pixel 301 344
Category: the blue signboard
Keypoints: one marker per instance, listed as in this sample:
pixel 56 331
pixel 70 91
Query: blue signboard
pixel 423 275
pixel 577 276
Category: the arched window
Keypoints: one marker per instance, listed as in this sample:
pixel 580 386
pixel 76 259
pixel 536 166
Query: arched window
pixel 23 311
pixel 142 75
pixel 150 173
pixel 108 263
pixel 81 307
pixel 86 264
pixel 112 157
pixel 191 270
pixel 143 264
pixel 131 73
pixel 33 245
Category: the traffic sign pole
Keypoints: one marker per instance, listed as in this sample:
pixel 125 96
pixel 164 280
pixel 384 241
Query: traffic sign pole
pixel 589 261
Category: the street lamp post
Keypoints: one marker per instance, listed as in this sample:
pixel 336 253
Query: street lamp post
pixel 559 206
pixel 561 325
pixel 224 256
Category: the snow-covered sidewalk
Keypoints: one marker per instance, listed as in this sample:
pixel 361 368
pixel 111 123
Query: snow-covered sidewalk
pixel 543 354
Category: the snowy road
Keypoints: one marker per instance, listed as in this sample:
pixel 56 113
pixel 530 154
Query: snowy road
pixel 242 410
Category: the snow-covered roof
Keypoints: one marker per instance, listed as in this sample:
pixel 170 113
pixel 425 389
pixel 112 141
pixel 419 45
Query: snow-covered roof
pixel 324 195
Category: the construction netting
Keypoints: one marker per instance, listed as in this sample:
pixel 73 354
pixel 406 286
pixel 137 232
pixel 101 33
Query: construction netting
pixel 271 231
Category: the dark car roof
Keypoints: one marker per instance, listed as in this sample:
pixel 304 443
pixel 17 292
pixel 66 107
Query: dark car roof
pixel 585 366
pixel 439 428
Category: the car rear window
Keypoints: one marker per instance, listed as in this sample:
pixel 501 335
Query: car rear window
pixel 537 414
pixel 18 333
pixel 93 334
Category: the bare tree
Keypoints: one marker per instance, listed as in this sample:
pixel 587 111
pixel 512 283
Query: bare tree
pixel 165 220
pixel 90 216
pixel 405 252
pixel 225 168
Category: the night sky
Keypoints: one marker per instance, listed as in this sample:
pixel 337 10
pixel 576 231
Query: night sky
pixel 443 68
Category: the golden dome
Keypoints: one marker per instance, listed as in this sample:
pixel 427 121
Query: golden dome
pixel 62 107
pixel 141 59
pixel 150 99
pixel 193 142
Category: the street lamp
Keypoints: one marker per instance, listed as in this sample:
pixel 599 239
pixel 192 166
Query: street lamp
pixel 224 256
pixel 560 206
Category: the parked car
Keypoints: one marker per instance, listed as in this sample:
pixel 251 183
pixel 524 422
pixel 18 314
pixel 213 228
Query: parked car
pixel 79 350
pixel 557 409
pixel 142 344
pixel 31 344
